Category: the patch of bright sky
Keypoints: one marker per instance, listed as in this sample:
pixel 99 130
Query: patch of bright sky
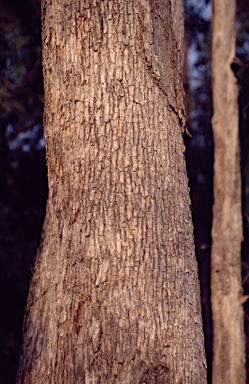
pixel 205 10
pixel 27 139
pixel 194 73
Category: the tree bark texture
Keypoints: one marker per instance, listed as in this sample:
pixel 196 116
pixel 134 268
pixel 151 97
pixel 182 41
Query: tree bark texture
pixel 227 233
pixel 115 294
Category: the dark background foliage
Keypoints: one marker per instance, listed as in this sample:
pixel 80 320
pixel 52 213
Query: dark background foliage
pixel 23 186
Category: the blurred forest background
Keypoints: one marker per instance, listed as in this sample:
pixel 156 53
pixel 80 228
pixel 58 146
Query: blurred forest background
pixel 23 183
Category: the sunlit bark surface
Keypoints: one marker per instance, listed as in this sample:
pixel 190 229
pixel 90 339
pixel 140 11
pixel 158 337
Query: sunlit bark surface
pixel 227 311
pixel 115 294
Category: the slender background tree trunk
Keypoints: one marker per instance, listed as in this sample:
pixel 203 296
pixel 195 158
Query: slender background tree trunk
pixel 115 294
pixel 228 320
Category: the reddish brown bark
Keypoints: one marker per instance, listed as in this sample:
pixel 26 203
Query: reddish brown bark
pixel 115 294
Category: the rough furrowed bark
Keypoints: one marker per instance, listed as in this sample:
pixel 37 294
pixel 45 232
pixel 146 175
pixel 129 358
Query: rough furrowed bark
pixel 227 233
pixel 114 296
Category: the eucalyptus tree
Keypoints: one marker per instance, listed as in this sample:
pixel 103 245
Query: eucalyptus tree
pixel 227 229
pixel 114 296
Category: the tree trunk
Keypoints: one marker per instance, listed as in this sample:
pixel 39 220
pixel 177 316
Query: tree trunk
pixel 114 296
pixel 228 323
